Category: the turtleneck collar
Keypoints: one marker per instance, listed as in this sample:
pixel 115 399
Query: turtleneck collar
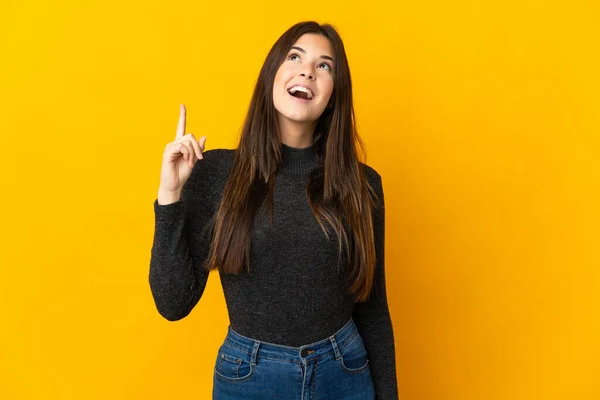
pixel 299 160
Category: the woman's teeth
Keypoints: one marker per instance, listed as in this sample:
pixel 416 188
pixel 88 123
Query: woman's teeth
pixel 301 92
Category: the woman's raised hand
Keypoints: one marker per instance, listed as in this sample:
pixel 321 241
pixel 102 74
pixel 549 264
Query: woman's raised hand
pixel 178 162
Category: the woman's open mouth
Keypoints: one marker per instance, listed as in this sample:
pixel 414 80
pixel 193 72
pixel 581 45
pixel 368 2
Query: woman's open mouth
pixel 300 93
pixel 300 99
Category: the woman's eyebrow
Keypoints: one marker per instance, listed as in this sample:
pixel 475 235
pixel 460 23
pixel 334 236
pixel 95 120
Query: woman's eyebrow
pixel 304 51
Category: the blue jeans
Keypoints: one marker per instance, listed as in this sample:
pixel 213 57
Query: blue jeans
pixel 333 368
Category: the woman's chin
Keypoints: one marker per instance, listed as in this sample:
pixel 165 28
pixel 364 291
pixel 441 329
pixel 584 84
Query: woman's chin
pixel 302 114
pixel 300 119
pixel 298 113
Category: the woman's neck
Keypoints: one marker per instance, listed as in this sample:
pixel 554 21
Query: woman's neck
pixel 296 134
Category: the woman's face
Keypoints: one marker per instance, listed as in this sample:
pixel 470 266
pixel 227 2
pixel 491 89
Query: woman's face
pixel 309 64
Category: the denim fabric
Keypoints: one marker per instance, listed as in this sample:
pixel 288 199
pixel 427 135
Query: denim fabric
pixel 335 368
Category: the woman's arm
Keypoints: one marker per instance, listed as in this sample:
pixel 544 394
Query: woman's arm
pixel 372 317
pixel 182 238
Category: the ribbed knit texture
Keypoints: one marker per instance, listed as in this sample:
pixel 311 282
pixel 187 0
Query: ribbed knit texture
pixel 294 293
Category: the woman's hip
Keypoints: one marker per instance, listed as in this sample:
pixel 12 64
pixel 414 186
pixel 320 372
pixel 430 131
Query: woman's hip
pixel 336 367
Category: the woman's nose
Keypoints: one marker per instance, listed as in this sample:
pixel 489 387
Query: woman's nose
pixel 309 76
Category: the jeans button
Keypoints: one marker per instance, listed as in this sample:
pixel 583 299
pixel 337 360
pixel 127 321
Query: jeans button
pixel 304 353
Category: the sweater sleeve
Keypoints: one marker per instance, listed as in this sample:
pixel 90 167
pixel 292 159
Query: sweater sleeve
pixel 373 318
pixel 180 246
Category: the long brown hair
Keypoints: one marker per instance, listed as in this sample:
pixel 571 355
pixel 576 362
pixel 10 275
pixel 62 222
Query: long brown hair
pixel 337 190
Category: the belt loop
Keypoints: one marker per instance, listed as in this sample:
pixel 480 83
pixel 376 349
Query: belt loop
pixel 338 355
pixel 253 356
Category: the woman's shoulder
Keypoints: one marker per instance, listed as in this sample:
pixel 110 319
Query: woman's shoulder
pixel 213 168
pixel 372 175
pixel 374 179
pixel 208 177
pixel 218 156
pixel 216 161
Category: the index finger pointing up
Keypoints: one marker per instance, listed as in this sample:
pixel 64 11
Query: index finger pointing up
pixel 181 124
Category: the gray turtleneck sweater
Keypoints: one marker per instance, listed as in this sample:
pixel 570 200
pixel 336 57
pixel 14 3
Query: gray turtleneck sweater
pixel 293 294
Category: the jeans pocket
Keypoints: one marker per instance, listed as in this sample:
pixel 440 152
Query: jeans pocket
pixel 354 358
pixel 233 365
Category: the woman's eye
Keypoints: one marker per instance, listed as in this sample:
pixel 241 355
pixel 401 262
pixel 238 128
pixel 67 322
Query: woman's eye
pixel 291 56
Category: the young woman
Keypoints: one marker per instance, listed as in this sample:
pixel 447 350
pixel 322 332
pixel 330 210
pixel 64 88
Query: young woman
pixel 294 223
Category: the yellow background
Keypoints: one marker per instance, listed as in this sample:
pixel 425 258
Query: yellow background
pixel 482 117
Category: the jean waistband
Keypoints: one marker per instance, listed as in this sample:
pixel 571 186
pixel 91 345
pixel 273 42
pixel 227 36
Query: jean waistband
pixel 301 354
